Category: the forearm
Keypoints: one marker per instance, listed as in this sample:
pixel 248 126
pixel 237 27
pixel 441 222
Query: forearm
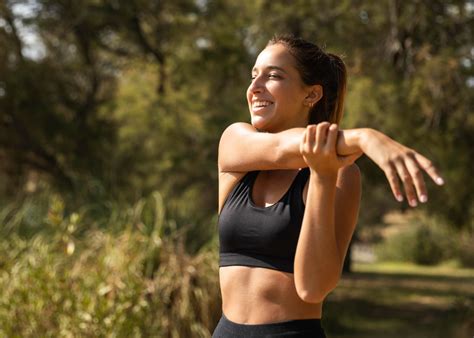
pixel 349 141
pixel 318 261
pixel 242 148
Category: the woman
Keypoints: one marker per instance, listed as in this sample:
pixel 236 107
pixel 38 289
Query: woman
pixel 289 192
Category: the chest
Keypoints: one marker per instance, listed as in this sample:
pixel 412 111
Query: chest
pixel 246 226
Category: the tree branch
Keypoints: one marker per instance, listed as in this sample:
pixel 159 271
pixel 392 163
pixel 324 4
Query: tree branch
pixel 10 19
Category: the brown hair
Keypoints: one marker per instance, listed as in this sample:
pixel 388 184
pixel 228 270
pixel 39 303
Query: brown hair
pixel 317 67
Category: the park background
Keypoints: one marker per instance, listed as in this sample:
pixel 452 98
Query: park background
pixel 110 118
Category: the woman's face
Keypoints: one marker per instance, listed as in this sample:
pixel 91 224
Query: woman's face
pixel 277 96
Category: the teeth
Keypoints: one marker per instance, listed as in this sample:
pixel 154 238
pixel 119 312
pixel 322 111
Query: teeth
pixel 258 104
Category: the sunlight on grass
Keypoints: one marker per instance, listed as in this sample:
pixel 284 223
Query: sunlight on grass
pixel 392 299
pixel 449 268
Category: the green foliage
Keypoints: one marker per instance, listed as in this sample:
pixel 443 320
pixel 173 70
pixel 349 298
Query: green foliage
pixel 427 250
pixel 425 241
pixel 138 281
pixel 127 98
pixel 137 93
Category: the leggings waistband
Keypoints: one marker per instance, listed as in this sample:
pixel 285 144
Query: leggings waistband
pixel 292 328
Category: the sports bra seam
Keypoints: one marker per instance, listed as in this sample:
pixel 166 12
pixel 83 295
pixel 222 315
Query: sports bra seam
pixel 251 253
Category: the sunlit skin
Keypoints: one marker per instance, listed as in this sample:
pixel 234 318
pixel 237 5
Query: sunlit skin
pixel 279 104
pixel 276 81
pixel 256 295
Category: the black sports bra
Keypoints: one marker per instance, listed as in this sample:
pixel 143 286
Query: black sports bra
pixel 256 236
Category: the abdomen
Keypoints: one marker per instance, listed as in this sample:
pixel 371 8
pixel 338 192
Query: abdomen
pixel 257 295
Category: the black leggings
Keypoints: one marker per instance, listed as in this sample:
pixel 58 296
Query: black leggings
pixel 299 328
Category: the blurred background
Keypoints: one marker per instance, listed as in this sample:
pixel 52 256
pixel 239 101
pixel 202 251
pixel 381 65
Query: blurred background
pixel 110 117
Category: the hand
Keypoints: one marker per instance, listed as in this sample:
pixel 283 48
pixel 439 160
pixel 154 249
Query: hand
pixel 396 159
pixel 318 148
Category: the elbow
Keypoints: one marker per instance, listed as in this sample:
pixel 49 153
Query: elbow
pixel 308 296
pixel 316 293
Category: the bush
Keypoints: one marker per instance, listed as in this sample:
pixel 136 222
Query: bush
pixel 426 241
pixel 135 282
pixel 398 247
pixel 427 248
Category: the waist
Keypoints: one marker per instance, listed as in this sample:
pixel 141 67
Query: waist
pixel 258 295
pixel 300 327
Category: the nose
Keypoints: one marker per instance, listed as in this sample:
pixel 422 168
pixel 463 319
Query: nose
pixel 256 86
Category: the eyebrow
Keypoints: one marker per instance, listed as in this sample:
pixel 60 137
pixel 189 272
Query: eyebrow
pixel 271 68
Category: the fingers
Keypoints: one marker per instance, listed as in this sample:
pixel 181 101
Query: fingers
pixel 392 178
pixel 430 169
pixel 318 147
pixel 316 136
pixel 321 136
pixel 311 142
pixel 303 141
pixel 417 177
pixel 332 137
pixel 307 141
pixel 407 181
pixel 409 169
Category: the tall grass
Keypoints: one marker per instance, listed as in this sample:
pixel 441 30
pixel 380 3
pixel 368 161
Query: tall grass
pixel 129 278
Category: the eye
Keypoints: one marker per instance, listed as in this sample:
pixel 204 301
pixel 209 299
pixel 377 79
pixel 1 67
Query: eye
pixel 274 76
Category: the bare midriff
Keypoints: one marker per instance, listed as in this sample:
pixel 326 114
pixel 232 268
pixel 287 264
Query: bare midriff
pixel 252 295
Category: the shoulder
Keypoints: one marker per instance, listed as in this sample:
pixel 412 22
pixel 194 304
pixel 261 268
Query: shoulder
pixel 237 129
pixel 233 134
pixel 241 147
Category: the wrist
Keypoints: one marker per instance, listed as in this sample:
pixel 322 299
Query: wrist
pixel 323 178
pixel 363 138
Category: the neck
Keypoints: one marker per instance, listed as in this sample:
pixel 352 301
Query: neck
pixel 277 129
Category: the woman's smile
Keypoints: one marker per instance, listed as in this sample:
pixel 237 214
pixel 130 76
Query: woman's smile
pixel 258 105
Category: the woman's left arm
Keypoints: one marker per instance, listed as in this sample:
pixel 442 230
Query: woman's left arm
pixel 325 234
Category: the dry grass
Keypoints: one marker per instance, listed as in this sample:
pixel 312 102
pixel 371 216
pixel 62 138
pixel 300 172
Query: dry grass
pixel 134 282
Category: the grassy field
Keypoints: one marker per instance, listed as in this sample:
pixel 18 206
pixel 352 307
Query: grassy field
pixel 402 300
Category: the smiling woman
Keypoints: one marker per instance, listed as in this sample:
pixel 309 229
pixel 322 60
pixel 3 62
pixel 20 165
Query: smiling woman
pixel 289 192
pixel 276 94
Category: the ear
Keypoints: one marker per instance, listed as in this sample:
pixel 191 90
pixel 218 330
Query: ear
pixel 315 93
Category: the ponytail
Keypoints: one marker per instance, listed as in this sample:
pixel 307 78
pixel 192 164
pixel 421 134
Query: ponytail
pixel 331 106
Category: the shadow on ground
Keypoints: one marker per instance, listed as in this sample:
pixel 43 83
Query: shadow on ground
pixel 369 305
